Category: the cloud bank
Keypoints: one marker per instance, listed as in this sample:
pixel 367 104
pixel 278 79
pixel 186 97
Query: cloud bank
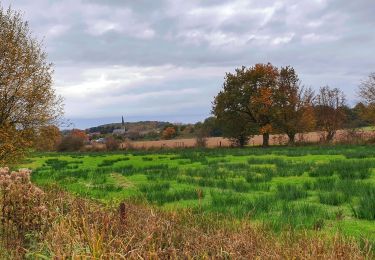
pixel 165 60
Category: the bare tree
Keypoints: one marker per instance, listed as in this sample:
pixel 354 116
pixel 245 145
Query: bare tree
pixel 329 109
pixel 367 93
pixel 367 89
pixel 27 100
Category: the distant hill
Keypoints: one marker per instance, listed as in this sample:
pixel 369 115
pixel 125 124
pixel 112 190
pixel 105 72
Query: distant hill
pixel 141 126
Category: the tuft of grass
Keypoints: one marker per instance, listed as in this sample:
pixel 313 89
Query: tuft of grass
pixel 366 204
pixel 290 192
pixel 325 183
pixel 299 215
pixel 332 198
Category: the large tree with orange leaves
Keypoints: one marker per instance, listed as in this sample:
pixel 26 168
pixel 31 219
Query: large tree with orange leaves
pixel 248 94
pixel 27 100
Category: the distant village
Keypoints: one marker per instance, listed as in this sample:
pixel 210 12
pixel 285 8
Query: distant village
pixel 143 130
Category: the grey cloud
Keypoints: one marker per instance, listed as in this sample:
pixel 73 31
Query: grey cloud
pixel 327 41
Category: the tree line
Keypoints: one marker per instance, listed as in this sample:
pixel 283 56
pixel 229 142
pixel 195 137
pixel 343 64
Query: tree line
pixel 265 99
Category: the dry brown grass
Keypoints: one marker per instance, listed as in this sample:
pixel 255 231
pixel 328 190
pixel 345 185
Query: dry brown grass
pixel 342 136
pixel 83 229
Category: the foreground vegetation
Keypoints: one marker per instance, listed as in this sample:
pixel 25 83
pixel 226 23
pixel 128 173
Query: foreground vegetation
pixel 54 224
pixel 319 189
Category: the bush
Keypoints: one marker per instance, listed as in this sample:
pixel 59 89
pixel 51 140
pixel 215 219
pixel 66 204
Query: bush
pixel 71 143
pixel 23 214
pixel 112 144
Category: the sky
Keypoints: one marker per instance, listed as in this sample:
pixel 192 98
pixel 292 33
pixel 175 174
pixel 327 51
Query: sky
pixel 166 60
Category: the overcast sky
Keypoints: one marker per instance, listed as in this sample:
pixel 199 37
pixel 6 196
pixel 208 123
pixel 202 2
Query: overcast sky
pixel 166 60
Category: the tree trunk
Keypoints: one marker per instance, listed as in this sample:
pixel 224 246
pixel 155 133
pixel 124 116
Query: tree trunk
pixel 330 136
pixel 266 139
pixel 292 138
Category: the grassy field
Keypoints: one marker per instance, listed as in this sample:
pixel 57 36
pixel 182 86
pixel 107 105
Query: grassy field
pixel 319 189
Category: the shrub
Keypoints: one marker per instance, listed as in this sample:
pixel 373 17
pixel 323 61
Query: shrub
pixel 169 133
pixel 23 210
pixel 112 144
pixel 71 143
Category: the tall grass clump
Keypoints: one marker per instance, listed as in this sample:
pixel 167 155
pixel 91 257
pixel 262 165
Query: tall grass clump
pixel 345 169
pixel 160 193
pixel 366 204
pixel 325 183
pixel 350 188
pixel 301 215
pixel 290 192
pixel 110 162
pixel 332 198
pixel 239 205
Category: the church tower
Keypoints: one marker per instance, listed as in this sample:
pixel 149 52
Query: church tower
pixel 123 123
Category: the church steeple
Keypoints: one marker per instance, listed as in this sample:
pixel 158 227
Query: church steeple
pixel 123 123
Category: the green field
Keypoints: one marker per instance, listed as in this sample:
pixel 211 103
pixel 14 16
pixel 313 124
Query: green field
pixel 324 189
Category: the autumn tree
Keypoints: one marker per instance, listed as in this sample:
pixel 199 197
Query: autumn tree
pixel 329 110
pixel 169 133
pixel 73 141
pixel 356 116
pixel 27 100
pixel 294 109
pixel 247 95
pixel 48 138
pixel 79 134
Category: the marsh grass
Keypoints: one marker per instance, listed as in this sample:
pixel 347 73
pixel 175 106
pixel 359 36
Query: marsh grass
pixel 332 198
pixel 325 183
pixel 366 205
pixel 240 205
pixel 290 192
pixel 345 169
pixel 300 215
pixel 258 181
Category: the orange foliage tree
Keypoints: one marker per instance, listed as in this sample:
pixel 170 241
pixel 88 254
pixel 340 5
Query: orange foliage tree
pixel 79 134
pixel 248 94
pixel 169 133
